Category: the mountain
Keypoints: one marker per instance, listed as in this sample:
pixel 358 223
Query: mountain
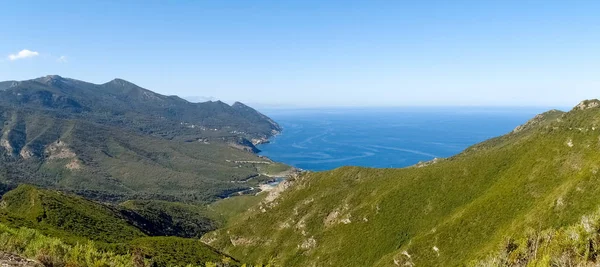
pixel 126 105
pixel 117 141
pixel 35 221
pixel 530 197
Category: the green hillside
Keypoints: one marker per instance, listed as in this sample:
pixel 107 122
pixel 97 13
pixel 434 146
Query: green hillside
pixel 64 215
pixel 147 251
pixel 111 164
pixel 126 105
pixel 117 141
pixel 450 212
pixel 68 225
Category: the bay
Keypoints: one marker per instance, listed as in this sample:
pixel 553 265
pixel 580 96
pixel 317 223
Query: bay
pixel 324 139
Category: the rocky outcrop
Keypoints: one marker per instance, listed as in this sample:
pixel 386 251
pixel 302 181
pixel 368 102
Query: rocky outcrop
pixel 538 119
pixel 587 104
pixel 427 163
pixel 243 144
pixel 59 150
pixel 12 260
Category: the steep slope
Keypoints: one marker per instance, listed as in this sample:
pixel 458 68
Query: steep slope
pixel 162 218
pixel 572 245
pixel 112 164
pixel 63 215
pixel 67 226
pixel 146 251
pixel 447 212
pixel 117 141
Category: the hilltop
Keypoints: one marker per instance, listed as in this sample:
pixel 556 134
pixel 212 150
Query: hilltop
pixel 530 196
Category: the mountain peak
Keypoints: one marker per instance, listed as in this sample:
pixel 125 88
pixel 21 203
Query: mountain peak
pixel 50 79
pixel 542 118
pixel 53 77
pixel 587 104
pixel 121 82
pixel 239 105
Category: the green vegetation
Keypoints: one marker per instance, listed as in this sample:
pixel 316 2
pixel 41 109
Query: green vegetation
pixel 522 199
pixel 168 251
pixel 176 251
pixel 126 105
pixel 54 252
pixel 68 226
pixel 575 245
pixel 232 207
pixel 445 213
pixel 116 142
pixel 274 169
pixel 163 218
pixel 68 217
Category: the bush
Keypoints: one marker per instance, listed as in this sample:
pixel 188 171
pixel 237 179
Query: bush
pixel 53 252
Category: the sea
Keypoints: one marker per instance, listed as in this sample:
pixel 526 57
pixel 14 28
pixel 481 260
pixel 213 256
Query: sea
pixel 328 138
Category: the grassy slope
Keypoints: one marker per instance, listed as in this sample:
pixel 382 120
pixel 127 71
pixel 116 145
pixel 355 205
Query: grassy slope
pixel 64 216
pixel 230 208
pixel 176 251
pixel 147 251
pixel 126 142
pixel 70 220
pixel 543 176
pixel 573 245
pixel 116 164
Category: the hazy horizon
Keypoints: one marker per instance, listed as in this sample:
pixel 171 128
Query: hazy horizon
pixel 315 53
pixel 313 107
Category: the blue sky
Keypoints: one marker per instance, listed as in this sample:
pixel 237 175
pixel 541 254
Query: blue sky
pixel 316 53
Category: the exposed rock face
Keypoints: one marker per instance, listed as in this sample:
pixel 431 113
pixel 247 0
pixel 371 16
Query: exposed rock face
pixel 26 153
pixel 74 165
pixel 308 244
pixel 7 259
pixel 244 144
pixel 6 145
pixel 339 215
pixel 259 141
pixel 277 191
pixel 59 150
pixel 587 104
pixel 538 119
pixel 427 163
pixel 241 241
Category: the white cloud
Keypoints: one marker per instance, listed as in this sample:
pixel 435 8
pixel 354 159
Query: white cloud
pixel 23 54
pixel 62 59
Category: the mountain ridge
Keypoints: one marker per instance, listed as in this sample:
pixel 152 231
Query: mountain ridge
pixel 121 97
pixel 117 141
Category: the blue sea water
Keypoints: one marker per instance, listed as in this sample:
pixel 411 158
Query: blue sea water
pixel 324 139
